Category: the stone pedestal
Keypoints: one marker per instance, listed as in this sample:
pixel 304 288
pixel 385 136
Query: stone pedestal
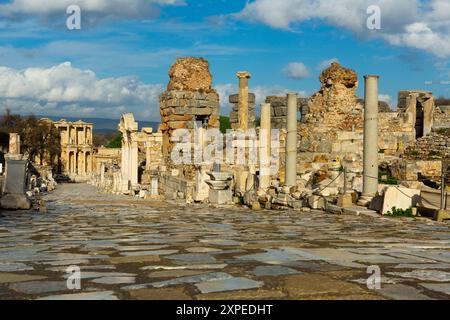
pixel 201 192
pixel 345 201
pixel 264 152
pixel 14 144
pixel 14 197
pixel 370 157
pixel 220 197
pixel 220 191
pixel 243 100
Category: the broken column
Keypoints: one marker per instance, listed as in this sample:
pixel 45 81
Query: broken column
pixel 264 138
pixel 370 157
pixel 14 144
pixel 190 102
pixel 243 100
pixel 129 166
pixel 15 185
pixel 220 187
pixel 291 141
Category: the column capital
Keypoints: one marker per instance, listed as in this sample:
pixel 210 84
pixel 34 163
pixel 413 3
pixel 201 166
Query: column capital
pixel 243 75
pixel 371 76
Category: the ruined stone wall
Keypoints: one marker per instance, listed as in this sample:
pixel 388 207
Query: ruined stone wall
pixel 234 119
pixel 396 132
pixel 412 170
pixel 432 147
pixel 175 187
pixel 331 130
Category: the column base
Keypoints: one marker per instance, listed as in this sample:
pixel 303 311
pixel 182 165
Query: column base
pixel 442 215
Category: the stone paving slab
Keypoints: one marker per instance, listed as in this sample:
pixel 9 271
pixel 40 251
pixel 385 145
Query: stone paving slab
pixel 142 249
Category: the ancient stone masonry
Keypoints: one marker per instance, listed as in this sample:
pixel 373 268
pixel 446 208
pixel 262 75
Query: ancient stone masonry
pixel 420 104
pixel 243 114
pixel 135 143
pixel 441 117
pixel 189 101
pixel 192 104
pixel 134 168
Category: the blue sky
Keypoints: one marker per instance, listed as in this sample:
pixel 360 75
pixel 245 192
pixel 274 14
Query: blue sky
pixel 119 60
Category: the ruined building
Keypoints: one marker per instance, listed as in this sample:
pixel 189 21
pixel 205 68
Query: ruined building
pixel 77 149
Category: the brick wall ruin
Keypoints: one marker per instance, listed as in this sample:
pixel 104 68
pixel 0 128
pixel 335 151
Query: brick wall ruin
pixel 234 119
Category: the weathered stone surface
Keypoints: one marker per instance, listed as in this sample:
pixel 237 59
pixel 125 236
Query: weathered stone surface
pixel 230 284
pixel 305 286
pixel 159 294
pixel 270 243
pixel 97 295
pixel 12 277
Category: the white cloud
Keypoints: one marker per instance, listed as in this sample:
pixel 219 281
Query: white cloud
pixel 417 24
pixel 296 70
pixel 65 90
pixel 326 63
pixel 100 8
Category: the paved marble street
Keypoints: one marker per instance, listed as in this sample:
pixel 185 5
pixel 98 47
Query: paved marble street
pixel 135 249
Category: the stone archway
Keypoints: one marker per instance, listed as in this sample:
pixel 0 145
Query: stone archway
pixel 88 163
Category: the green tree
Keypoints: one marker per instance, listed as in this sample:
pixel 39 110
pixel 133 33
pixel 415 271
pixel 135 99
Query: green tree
pixel 224 124
pixel 116 142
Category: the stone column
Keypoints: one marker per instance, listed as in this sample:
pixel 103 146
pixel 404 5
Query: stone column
pixel 243 99
pixel 264 155
pixel 134 163
pixel 148 157
pixel 68 135
pixel 124 166
pixel 291 141
pixel 370 175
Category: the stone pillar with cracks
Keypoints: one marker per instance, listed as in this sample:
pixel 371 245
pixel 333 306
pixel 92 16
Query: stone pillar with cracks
pixel 291 141
pixel 265 152
pixel 243 99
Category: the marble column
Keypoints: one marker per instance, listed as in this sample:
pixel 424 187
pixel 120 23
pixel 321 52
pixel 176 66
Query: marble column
pixel 264 154
pixel 291 141
pixel 124 165
pixel 134 162
pixel 370 158
pixel 147 156
pixel 243 100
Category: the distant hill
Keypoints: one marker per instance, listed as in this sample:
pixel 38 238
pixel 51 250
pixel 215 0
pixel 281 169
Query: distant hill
pixel 104 125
